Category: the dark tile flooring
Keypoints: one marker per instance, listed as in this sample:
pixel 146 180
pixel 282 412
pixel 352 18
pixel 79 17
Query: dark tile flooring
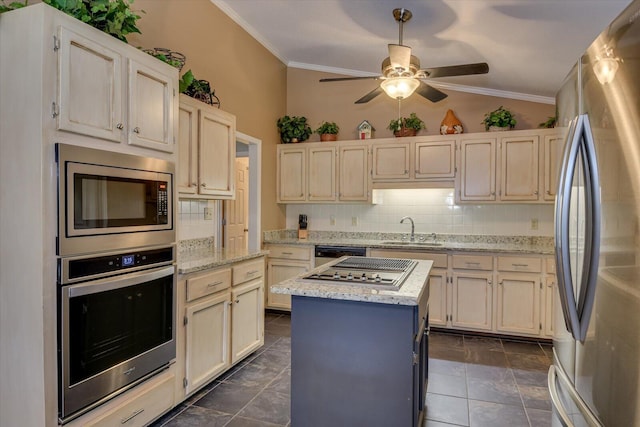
pixel 473 381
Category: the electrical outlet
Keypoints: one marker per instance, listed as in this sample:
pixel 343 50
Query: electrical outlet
pixel 332 220
pixel 354 220
pixel 208 214
pixel 534 223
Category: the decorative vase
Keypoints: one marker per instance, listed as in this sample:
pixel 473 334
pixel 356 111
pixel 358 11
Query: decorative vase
pixel 328 137
pixel 294 140
pixel 498 128
pixel 405 132
pixel 450 124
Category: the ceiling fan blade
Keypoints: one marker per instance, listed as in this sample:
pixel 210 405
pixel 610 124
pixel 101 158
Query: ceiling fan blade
pixel 368 97
pixel 400 56
pixel 457 70
pixel 342 79
pixel 430 92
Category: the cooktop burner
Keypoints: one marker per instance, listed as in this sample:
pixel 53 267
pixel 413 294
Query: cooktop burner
pixel 385 273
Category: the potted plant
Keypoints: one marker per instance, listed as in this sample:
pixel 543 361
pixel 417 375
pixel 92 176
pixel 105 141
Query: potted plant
pixel 293 129
pixel 11 6
pixel 198 89
pixel 500 119
pixel 550 123
pixel 406 126
pixel 328 131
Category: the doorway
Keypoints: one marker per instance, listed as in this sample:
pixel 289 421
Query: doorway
pixel 241 228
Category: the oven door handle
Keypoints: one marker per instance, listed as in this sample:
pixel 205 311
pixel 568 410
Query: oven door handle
pixel 117 282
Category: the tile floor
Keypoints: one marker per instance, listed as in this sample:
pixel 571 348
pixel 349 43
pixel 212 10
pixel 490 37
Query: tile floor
pixel 473 381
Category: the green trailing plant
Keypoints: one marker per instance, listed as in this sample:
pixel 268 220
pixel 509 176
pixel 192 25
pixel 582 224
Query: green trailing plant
pixel 175 59
pixel 550 123
pixel 4 7
pixel 114 17
pixel 500 118
pixel 328 128
pixel 198 89
pixel 293 129
pixel 411 122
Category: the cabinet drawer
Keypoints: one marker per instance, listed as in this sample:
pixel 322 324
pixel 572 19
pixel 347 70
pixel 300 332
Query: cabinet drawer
pixel 290 252
pixel 208 283
pixel 473 262
pixel 140 409
pixel 551 265
pixel 246 271
pixel 528 264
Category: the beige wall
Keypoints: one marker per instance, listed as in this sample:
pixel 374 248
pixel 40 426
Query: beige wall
pixel 248 79
pixel 334 101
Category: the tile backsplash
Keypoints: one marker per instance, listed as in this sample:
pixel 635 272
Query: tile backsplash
pixel 198 219
pixel 433 211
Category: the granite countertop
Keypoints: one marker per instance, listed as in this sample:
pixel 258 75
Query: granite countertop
pixel 445 242
pixel 409 293
pixel 198 254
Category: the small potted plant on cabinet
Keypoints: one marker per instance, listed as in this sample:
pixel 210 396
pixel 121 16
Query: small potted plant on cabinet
pixel 498 120
pixel 293 129
pixel 328 131
pixel 406 126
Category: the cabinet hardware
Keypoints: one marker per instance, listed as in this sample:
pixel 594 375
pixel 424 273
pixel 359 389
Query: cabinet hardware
pixel 535 192
pixel 136 130
pixel 54 110
pixel 500 282
pixel 520 265
pixel 185 320
pixel 203 185
pixel 237 301
pixel 120 126
pixel 287 253
pixel 252 272
pixel 185 382
pixel 193 184
pixel 415 358
pixel 132 416
pixel 219 282
pixel 56 43
pixel 548 192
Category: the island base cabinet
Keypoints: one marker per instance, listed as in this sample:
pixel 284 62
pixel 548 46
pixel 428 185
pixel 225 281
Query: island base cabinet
pixel 355 363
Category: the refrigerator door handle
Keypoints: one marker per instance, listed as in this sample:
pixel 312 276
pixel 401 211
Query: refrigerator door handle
pixel 562 244
pixel 555 398
pixel 592 229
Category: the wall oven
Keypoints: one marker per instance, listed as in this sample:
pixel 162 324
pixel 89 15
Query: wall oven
pixel 112 201
pixel 116 324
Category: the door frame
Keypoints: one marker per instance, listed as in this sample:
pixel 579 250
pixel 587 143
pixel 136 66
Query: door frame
pixel 254 236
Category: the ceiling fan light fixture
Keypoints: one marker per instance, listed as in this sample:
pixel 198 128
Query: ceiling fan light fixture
pixel 399 87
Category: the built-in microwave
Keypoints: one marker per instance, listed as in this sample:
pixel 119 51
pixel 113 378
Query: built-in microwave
pixel 111 201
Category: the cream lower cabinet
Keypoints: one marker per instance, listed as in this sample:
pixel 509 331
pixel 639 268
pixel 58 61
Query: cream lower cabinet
pixel 472 301
pixel 518 303
pixel 551 298
pixel 206 165
pixel 286 262
pixel 247 312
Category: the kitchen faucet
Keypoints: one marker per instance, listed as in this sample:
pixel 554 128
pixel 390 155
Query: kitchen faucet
pixel 413 227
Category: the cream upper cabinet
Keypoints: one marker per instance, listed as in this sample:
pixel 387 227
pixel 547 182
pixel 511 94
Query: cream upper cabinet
pixel 107 91
pixel 151 100
pixel 322 174
pixel 477 177
pixel 391 161
pixel 292 176
pixel 519 168
pixel 354 173
pixel 435 160
pixel 207 150
pixel 90 88
pixel 552 148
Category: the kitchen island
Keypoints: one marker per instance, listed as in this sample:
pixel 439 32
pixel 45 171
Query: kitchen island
pixel 358 354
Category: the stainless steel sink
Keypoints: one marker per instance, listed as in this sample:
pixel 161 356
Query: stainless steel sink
pixel 405 243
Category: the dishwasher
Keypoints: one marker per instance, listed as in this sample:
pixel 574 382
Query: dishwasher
pixel 327 253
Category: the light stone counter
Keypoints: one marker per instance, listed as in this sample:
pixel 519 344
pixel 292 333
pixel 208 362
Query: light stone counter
pixel 197 255
pixel 446 242
pixel 409 293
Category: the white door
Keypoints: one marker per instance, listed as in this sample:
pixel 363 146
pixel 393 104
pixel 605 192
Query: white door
pixel 236 212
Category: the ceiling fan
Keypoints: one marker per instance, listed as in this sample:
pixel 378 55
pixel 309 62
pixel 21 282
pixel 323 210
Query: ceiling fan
pixel 402 75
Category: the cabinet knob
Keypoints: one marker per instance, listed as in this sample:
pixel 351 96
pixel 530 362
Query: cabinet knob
pixel 193 184
pixel 120 126
pixel 535 192
pixel 136 130
pixel 237 301
pixel 203 185
pixel 548 192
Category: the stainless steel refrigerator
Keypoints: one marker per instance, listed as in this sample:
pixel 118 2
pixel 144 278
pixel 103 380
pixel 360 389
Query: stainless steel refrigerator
pixel 595 378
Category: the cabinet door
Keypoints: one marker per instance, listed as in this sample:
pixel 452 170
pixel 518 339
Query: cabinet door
pixel 391 161
pixel 291 174
pixel 435 160
pixel 151 101
pixel 354 173
pixel 552 300
pixel 89 88
pixel 552 148
pixel 472 301
pixel 322 174
pixel 188 149
pixel 518 304
pixel 438 312
pixel 216 166
pixel 477 170
pixel 208 330
pixel 247 319
pixel 278 271
pixel 519 168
